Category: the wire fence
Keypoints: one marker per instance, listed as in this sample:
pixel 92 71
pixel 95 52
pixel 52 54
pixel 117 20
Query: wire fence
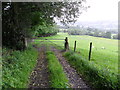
pixel 63 44
pixel 57 42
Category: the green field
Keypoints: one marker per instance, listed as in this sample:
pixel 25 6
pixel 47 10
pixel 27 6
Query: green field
pixel 106 58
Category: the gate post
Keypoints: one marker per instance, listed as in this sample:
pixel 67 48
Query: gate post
pixel 66 44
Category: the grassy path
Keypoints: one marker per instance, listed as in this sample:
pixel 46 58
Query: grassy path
pixel 102 70
pixel 75 80
pixel 40 76
pixel 58 78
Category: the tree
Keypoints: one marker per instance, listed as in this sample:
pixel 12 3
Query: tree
pixel 21 19
pixel 108 35
pixel 115 36
pixel 14 22
pixel 96 33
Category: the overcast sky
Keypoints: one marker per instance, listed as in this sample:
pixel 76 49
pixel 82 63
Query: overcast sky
pixel 100 10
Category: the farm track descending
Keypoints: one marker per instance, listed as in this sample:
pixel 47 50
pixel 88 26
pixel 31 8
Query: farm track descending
pixel 40 77
pixel 75 80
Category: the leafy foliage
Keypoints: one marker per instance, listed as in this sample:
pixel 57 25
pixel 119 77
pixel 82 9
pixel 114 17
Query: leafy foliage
pixel 17 67
pixel 20 19
pixel 43 30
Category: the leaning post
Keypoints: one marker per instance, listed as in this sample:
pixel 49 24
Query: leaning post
pixel 90 51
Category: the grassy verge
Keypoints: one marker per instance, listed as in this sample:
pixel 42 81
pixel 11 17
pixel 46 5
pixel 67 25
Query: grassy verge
pixel 17 66
pixel 103 58
pixel 97 78
pixel 57 75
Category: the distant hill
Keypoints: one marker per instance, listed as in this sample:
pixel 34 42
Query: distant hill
pixel 100 25
pixel 103 25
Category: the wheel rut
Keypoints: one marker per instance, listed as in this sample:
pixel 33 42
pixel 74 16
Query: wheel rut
pixel 40 77
pixel 75 80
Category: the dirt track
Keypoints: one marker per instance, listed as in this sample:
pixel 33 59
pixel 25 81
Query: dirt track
pixel 74 79
pixel 40 77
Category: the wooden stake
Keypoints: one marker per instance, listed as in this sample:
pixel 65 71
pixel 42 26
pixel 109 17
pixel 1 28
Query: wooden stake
pixel 90 51
pixel 75 46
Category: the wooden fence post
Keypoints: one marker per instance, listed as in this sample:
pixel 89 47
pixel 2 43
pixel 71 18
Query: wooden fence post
pixel 75 46
pixel 90 51
pixel 66 44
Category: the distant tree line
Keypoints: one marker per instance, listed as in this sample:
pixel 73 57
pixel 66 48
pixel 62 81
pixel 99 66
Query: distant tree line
pixel 92 32
pixel 117 36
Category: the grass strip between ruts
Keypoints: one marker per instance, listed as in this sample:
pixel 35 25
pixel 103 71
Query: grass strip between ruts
pixel 58 78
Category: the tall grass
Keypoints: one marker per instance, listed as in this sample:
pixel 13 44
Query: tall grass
pixel 58 78
pixel 17 66
pixel 96 77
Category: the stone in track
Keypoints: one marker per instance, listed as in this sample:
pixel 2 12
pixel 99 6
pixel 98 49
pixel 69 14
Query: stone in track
pixel 75 80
